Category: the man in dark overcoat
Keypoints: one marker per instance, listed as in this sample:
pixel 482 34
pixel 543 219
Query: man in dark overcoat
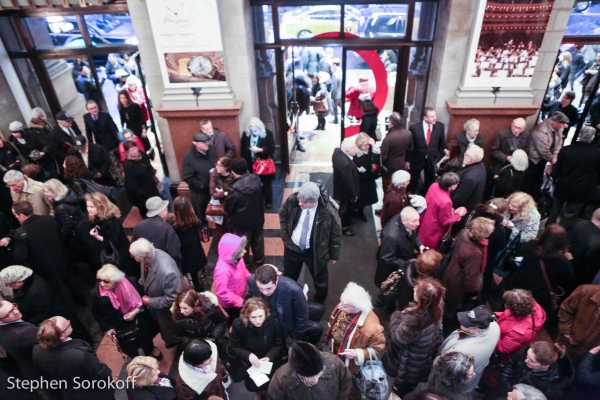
pixel 346 183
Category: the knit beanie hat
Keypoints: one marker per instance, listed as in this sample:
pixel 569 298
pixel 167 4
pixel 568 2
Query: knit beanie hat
pixel 305 359
pixel 239 166
pixel 15 273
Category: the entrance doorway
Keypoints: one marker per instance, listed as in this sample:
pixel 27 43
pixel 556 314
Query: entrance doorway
pixel 387 43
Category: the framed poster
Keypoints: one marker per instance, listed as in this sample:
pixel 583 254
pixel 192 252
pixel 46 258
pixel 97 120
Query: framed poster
pixel 510 36
pixel 188 42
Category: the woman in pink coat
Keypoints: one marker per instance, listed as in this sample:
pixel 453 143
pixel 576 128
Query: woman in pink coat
pixel 439 215
pixel 519 323
pixel 231 274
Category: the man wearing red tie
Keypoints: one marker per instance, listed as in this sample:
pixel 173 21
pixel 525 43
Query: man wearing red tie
pixel 428 149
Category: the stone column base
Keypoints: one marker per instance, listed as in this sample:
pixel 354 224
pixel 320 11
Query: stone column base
pixel 184 122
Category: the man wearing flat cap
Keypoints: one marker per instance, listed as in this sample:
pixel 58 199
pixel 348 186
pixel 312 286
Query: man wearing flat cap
pixel 544 145
pixel 310 374
pixel 62 136
pixel 195 171
pixel 311 233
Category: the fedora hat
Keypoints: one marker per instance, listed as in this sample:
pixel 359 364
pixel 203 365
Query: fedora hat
pixel 155 205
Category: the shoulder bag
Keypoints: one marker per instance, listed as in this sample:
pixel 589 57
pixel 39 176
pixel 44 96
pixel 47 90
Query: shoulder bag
pixel 320 105
pixel 264 166
pixel 128 335
pixel 110 255
pixel 371 379
pixel 555 297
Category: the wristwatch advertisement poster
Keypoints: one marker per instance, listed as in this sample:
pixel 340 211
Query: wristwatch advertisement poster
pixel 195 67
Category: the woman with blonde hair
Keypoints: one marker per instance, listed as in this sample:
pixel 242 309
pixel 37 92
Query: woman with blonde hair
pixel 147 382
pixel 108 232
pixel 116 305
pixel 525 218
pixel 415 336
pixel 564 68
pixel 463 278
pixel 365 148
pixel 258 143
pixel 256 336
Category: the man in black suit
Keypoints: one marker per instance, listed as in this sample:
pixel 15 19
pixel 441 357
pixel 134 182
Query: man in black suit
pixel 62 137
pixel 18 338
pixel 72 360
pixel 38 245
pixel 506 142
pixel 470 190
pixel 399 243
pixel 428 148
pixel 96 158
pixel 346 185
pixel 100 127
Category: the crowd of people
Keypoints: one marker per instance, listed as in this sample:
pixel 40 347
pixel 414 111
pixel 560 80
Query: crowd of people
pixel 483 300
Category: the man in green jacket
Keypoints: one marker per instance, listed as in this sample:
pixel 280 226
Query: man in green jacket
pixel 311 232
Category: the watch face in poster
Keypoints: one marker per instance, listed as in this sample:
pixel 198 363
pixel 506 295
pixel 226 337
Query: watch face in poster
pixel 195 67
pixel 509 43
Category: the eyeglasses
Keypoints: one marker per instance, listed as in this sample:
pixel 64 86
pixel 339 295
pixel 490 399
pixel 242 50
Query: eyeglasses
pixel 14 308
pixel 103 281
pixel 68 326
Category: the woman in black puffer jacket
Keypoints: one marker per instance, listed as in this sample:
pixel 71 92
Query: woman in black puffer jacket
pixel 414 336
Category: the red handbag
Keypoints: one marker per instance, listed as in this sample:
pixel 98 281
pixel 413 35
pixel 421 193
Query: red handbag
pixel 264 166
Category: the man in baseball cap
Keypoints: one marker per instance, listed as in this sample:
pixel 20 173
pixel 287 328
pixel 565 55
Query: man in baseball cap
pixel 62 136
pixel 478 335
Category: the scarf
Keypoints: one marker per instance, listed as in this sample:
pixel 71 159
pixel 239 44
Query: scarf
pixel 138 158
pixel 124 298
pixel 484 242
pixel 196 380
pixel 333 326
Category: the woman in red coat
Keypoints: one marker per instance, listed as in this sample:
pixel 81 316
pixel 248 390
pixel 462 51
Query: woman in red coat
pixel 439 215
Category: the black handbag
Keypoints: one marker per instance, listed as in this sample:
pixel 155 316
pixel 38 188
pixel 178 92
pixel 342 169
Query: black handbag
pixel 129 334
pixel 110 256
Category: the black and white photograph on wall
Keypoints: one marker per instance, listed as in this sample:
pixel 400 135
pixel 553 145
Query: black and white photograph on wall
pixel 509 43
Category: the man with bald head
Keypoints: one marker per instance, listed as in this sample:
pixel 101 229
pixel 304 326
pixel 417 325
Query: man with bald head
pixel 60 357
pixel 399 243
pixel 506 142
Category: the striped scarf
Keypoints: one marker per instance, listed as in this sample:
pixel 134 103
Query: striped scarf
pixel 333 325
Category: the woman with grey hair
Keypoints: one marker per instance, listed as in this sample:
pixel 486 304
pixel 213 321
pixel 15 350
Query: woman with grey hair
pixel 70 213
pixel 510 178
pixel 365 148
pixel 258 143
pixel 451 373
pixel 521 391
pixel 470 135
pixel 116 304
pixel 395 198
pixel 39 126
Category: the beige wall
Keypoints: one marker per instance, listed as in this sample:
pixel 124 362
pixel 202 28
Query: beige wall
pixel 236 32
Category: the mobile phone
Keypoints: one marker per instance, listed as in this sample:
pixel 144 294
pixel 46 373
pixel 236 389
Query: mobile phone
pixel 97 227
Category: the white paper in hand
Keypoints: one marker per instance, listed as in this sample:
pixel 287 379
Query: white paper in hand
pixel 264 367
pixel 305 289
pixel 259 379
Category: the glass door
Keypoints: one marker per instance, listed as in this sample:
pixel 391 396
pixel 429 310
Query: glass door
pixel 370 87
